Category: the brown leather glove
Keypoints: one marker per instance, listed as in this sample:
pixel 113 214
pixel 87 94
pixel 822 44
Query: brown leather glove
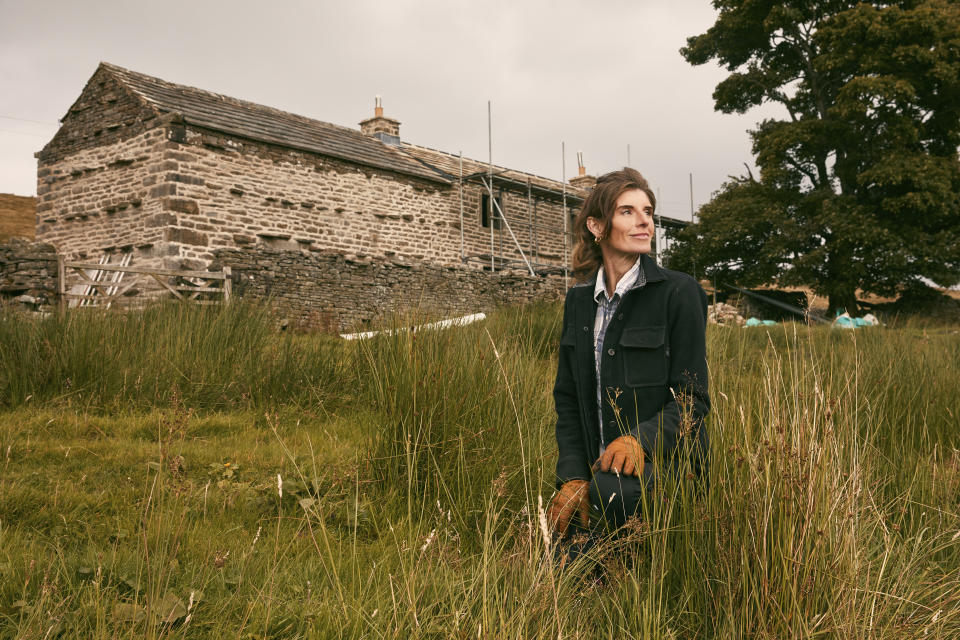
pixel 624 455
pixel 572 499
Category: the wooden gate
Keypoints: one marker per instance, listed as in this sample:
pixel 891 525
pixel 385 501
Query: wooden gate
pixel 103 284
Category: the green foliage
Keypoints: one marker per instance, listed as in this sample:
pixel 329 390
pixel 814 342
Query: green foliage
pixel 404 500
pixel 746 247
pixel 860 187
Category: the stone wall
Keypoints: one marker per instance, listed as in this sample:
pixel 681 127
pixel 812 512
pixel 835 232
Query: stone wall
pixel 176 194
pixel 28 273
pixel 230 192
pixel 107 199
pixel 326 290
pixel 235 193
pixel 105 113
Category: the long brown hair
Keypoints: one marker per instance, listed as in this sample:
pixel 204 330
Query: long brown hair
pixel 600 204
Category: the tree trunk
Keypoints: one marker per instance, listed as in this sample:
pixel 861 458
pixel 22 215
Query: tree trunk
pixel 841 288
pixel 845 299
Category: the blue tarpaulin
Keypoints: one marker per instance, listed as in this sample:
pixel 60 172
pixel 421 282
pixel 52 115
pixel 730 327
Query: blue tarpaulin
pixel 846 321
pixel 757 322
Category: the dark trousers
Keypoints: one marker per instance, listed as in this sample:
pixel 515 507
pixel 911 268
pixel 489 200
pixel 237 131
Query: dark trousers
pixel 613 499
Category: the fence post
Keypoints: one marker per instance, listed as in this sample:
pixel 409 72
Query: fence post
pixel 61 283
pixel 227 284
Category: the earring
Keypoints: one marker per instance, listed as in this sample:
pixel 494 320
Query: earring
pixel 597 239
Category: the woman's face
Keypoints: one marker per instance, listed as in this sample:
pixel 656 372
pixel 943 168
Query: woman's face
pixel 631 230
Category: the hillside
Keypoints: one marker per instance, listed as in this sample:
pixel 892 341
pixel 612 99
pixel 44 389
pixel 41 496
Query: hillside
pixel 17 216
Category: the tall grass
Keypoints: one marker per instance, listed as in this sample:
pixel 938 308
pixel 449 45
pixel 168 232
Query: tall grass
pixel 449 428
pixel 115 360
pixel 412 469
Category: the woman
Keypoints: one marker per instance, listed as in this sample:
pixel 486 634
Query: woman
pixel 631 389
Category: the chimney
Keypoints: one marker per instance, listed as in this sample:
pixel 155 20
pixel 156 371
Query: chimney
pixel 386 130
pixel 583 181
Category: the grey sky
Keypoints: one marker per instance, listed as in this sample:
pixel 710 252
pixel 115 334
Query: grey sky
pixel 598 75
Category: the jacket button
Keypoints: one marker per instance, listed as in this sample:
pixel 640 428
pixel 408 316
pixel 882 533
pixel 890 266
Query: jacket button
pixel 586 328
pixel 610 352
pixel 619 316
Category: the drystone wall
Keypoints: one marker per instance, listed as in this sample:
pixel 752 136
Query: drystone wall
pixel 28 273
pixel 326 290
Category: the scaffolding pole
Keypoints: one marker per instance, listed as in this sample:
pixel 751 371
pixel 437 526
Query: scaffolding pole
pixel 536 240
pixel 656 228
pixel 490 186
pixel 494 208
pixel 461 206
pixel 512 235
pixel 656 238
pixel 566 237
pixel 496 204
pixel 530 218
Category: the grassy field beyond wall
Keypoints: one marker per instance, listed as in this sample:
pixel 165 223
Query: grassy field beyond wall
pixel 191 473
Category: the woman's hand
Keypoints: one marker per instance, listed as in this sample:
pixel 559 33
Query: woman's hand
pixel 573 499
pixel 624 456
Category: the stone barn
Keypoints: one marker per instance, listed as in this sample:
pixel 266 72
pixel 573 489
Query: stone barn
pixel 336 225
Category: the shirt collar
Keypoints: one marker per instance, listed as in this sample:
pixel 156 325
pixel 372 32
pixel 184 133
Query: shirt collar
pixel 627 282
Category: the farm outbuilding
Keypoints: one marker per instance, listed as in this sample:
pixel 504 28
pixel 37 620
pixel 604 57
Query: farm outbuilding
pixel 320 217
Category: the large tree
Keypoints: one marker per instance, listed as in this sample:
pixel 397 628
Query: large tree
pixel 859 183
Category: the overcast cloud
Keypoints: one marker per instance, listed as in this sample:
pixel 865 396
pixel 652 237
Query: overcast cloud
pixel 595 75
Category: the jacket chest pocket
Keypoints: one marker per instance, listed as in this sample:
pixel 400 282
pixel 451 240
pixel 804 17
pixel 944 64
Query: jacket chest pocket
pixel 645 356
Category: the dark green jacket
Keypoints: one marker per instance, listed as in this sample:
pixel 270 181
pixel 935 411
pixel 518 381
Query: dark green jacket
pixel 654 373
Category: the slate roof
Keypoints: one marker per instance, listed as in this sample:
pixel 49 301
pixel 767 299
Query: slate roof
pixel 449 165
pixel 265 124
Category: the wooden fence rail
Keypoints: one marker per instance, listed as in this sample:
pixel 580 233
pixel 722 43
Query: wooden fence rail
pixel 102 284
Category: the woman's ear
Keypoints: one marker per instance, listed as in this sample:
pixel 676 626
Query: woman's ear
pixel 594 227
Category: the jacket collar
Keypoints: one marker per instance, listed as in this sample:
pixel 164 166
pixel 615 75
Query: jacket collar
pixel 634 277
pixel 652 271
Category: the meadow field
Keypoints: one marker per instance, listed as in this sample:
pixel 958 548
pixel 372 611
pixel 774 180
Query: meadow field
pixel 185 472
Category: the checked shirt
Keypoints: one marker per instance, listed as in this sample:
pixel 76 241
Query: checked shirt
pixel 606 307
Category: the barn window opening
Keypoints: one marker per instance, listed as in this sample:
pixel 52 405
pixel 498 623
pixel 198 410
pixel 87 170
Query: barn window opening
pixel 485 211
